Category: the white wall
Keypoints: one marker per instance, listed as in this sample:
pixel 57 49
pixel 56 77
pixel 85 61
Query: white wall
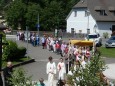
pixel 80 22
pixel 105 27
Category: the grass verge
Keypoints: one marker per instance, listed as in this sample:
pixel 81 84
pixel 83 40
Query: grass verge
pixel 107 52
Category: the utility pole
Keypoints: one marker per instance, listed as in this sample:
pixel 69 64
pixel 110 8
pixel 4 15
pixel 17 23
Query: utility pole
pixel 27 39
pixel 38 25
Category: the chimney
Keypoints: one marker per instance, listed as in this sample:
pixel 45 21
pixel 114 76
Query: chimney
pixel 82 1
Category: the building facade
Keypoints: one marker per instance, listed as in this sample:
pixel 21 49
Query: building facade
pixel 92 16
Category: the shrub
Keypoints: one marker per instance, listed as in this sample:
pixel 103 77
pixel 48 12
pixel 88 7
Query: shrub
pixel 20 78
pixel 12 51
pixel 88 75
pixel 21 51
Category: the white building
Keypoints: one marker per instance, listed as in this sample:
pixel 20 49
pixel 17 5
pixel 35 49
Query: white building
pixel 89 16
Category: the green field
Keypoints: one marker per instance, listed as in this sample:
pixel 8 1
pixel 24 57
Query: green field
pixel 107 52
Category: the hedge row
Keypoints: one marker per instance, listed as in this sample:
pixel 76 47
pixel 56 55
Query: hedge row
pixel 12 51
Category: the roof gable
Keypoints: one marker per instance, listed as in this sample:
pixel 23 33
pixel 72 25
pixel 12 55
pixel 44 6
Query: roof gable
pixel 98 7
pixel 80 4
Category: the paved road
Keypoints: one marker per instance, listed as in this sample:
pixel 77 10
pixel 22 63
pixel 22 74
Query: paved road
pixel 38 68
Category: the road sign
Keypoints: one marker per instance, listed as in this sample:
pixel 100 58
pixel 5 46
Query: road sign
pixel 38 25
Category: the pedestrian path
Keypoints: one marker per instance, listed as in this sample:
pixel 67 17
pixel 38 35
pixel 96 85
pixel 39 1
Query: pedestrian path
pixel 110 71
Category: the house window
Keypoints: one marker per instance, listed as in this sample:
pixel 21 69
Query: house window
pixel 72 30
pixel 114 13
pixel 87 13
pixel 80 31
pixel 75 13
pixel 88 31
pixel 103 13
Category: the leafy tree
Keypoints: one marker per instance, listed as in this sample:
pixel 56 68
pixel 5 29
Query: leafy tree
pixel 20 78
pixel 32 15
pixel 15 14
pixel 52 13
pixel 90 75
pixel 22 14
pixel 4 3
pixel 40 2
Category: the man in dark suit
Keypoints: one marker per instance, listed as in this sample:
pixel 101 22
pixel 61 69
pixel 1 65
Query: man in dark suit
pixel 7 74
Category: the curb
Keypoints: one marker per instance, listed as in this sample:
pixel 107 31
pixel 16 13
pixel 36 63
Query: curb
pixel 23 63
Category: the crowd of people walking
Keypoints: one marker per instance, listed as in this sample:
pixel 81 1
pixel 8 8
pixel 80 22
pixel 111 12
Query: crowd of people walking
pixel 31 37
pixel 70 53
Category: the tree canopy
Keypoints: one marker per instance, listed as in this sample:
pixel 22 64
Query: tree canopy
pixel 52 13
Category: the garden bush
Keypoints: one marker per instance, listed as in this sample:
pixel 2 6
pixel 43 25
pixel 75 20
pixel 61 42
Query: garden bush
pixel 21 51
pixel 19 78
pixel 12 51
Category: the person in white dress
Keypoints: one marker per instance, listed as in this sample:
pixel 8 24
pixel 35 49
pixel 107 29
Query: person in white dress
pixel 51 71
pixel 61 69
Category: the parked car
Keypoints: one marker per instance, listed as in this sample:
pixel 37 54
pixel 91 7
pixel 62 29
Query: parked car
pixel 110 42
pixel 96 38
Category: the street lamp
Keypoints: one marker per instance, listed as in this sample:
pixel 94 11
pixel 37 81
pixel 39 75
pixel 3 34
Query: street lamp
pixel 27 39
pixel 38 25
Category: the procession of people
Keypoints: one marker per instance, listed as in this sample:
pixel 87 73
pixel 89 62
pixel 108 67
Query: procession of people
pixel 71 54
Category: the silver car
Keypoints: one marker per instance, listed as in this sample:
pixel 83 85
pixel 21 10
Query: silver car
pixel 110 42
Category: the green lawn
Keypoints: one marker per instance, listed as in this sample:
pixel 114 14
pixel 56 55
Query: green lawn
pixel 107 52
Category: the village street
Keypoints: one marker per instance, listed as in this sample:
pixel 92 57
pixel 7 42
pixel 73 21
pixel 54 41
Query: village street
pixel 38 68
